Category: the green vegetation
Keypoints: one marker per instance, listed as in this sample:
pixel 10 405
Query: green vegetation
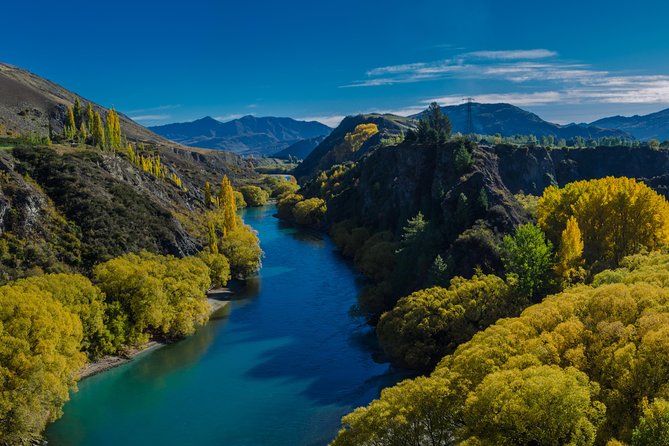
pixel 254 196
pixel 528 260
pixel 574 369
pixel 433 128
pixel 307 212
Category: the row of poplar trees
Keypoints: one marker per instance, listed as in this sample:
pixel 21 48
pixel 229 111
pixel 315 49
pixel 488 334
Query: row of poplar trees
pixel 87 126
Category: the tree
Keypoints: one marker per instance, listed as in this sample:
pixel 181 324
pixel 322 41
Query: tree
pixel 527 257
pixel 70 127
pixel 617 217
pixel 39 361
pixel 425 326
pixel 310 212
pixel 78 113
pixel 90 118
pixel 653 427
pixel 226 200
pixel 113 130
pixel 207 194
pixel 82 298
pixel 213 239
pixel 434 127
pixel 254 196
pixel 219 267
pixel 463 158
pixel 362 132
pixel 540 405
pixel 569 266
pixel 98 131
pixel 242 248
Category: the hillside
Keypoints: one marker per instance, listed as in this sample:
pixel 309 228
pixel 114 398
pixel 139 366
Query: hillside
pixel 652 126
pixel 326 154
pixel 509 120
pixel 248 135
pixel 300 149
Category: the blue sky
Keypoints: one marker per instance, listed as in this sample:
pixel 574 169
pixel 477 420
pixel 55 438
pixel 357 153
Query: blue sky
pixel 168 61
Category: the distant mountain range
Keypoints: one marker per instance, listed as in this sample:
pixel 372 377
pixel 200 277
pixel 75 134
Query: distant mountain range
pixel 652 126
pixel 300 149
pixel 509 120
pixel 248 135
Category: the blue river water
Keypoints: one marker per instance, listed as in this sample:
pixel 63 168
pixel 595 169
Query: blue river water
pixel 278 366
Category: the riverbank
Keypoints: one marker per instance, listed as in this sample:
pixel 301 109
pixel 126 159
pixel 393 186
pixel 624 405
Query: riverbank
pixel 217 298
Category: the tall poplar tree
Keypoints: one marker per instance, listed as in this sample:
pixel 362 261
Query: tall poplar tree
pixel 98 131
pixel 78 113
pixel 226 200
pixel 70 127
pixel 90 119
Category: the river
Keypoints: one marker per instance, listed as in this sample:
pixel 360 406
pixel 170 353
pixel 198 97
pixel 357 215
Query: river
pixel 279 366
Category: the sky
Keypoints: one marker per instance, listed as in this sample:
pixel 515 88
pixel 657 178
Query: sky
pixel 173 61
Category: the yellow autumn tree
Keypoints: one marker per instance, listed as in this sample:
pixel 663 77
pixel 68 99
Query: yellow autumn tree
pixel 359 135
pixel 569 266
pixel 226 199
pixel 616 217
pixel 113 130
pixel 98 131
pixel 207 194
pixel 70 127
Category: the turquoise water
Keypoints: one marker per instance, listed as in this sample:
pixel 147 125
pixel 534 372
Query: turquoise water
pixel 279 366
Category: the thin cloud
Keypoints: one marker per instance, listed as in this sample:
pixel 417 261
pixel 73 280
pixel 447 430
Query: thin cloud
pixel 330 121
pixel 155 109
pixel 150 117
pixel 513 54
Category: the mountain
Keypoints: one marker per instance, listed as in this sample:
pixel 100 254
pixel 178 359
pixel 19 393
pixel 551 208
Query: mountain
pixel 652 126
pixel 509 120
pixel 300 149
pixel 331 150
pixel 29 103
pixel 66 208
pixel 248 135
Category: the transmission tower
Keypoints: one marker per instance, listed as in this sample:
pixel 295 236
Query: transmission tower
pixel 469 125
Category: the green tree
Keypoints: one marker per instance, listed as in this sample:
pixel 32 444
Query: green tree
pixel 254 196
pixel 113 129
pixel 207 194
pixel 78 113
pixel 434 127
pixel 70 127
pixel 98 131
pixel 527 257
pixel 653 427
pixel 90 118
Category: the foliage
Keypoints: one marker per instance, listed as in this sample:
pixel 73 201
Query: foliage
pixel 286 204
pixel 528 258
pixel 39 361
pixel 254 196
pixel 653 428
pixel 280 186
pixel 82 298
pixel 310 212
pixel 434 127
pixel 362 132
pixel 242 248
pixel 463 158
pixel 616 216
pixel 113 130
pixel 219 267
pixel 430 323
pixel 163 296
pixel 573 369
pixel 569 266
pixel 226 201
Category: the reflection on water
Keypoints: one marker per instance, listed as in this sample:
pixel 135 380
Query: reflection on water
pixel 279 366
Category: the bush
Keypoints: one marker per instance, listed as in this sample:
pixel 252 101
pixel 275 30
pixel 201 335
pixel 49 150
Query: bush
pixel 254 196
pixel 310 212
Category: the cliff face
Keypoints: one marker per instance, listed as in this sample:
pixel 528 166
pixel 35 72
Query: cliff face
pixel 531 170
pixel 394 183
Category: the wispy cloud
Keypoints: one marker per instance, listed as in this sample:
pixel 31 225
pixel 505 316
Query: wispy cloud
pixel 544 78
pixel 150 117
pixel 155 109
pixel 513 54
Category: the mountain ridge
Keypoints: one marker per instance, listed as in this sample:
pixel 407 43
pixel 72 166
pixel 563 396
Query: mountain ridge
pixel 644 127
pixel 248 135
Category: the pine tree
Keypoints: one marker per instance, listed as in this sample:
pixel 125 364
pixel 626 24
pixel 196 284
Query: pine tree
pixel 98 131
pixel 90 118
pixel 227 202
pixel 70 127
pixel 78 113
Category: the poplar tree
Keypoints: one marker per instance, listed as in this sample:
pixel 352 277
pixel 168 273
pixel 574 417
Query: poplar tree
pixel 226 199
pixel 213 240
pixel 113 130
pixel 78 113
pixel 207 194
pixel 70 127
pixel 98 131
pixel 90 119
pixel 570 255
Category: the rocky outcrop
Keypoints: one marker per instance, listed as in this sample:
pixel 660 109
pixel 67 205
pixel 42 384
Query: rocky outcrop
pixel 532 169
